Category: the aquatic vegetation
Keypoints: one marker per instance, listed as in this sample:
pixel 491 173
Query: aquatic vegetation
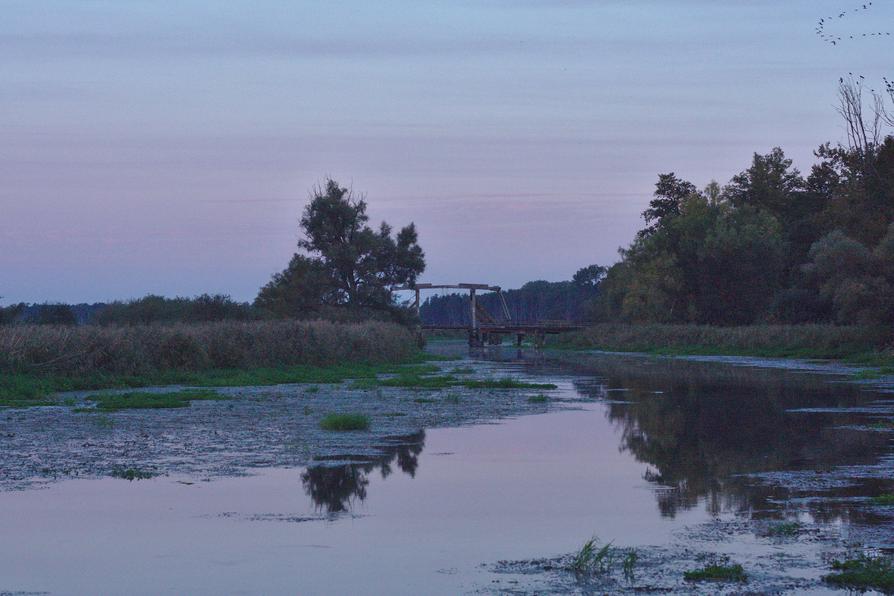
pixel 506 383
pixel 884 500
pixel 628 565
pixel 717 572
pixel 540 398
pixel 863 573
pixel 19 391
pixel 312 389
pixel 423 400
pixel 344 422
pixel 131 474
pixel 148 401
pixel 462 370
pixel 26 390
pixel 592 559
pixel 784 529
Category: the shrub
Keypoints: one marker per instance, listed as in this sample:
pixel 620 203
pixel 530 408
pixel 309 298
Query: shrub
pixel 344 422
pixel 55 314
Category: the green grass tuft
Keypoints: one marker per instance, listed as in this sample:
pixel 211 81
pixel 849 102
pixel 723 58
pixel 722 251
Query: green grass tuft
pixel 540 398
pixel 148 401
pixel 884 500
pixel 592 559
pixel 721 573
pixel 628 566
pixel 132 474
pixel 344 422
pixel 863 573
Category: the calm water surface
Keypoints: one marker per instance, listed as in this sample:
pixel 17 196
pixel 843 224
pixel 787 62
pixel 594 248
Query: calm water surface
pixel 654 447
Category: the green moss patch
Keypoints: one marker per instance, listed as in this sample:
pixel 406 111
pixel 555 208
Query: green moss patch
pixel 148 401
pixel 784 529
pixel 884 500
pixel 26 390
pixel 344 422
pixel 863 573
pixel 719 573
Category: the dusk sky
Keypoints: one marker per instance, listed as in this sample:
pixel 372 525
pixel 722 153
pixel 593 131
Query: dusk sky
pixel 169 147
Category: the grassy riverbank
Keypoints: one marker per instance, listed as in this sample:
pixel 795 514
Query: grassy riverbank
pixel 863 345
pixel 36 362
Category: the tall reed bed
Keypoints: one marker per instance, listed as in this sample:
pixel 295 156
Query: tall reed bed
pixel 816 341
pixel 138 350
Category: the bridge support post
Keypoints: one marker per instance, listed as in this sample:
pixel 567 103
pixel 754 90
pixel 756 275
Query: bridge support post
pixel 474 336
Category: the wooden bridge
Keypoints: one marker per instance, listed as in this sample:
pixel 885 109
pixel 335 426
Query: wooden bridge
pixel 485 329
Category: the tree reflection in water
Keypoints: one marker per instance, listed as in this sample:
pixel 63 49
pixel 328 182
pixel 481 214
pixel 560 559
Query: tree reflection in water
pixel 700 425
pixel 336 488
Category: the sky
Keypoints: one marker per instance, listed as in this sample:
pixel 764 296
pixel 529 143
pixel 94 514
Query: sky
pixel 169 147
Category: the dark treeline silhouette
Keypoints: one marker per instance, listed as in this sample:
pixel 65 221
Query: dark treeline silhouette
pixel 534 301
pixel 49 313
pixel 773 245
pixel 141 311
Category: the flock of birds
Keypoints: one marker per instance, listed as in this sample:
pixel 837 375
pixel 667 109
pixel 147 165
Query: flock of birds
pixel 836 39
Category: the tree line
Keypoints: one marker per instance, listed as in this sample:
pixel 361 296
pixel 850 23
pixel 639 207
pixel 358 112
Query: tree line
pixel 535 301
pixel 772 245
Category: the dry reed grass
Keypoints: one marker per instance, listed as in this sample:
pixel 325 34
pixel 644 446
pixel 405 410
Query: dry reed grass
pixel 135 350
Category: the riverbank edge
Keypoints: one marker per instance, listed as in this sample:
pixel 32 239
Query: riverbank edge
pixel 26 389
pixel 867 348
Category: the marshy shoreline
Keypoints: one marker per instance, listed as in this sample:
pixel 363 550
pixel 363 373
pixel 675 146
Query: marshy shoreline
pixel 228 430
pixel 237 431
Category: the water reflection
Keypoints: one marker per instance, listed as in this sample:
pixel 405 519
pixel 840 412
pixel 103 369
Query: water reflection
pixel 698 426
pixel 336 488
pixel 699 430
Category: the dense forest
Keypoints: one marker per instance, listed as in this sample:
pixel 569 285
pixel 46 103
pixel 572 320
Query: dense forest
pixel 773 245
